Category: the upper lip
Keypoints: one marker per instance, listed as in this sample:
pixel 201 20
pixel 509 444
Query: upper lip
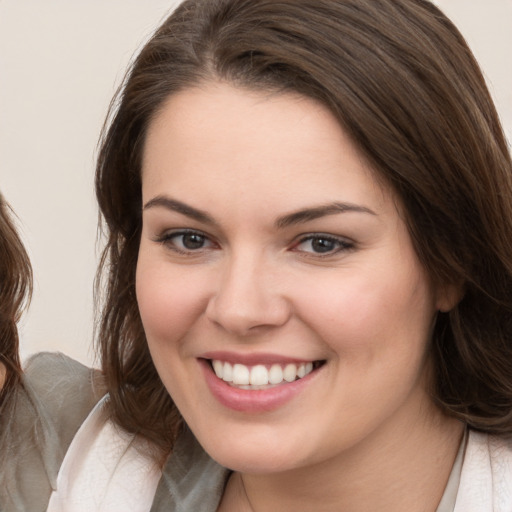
pixel 254 358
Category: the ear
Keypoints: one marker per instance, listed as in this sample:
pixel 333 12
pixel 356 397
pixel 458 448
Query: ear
pixel 448 296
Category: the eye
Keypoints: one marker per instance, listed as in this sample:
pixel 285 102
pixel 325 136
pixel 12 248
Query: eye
pixel 321 244
pixel 186 241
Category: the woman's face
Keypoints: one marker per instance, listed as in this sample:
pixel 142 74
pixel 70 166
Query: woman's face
pixel 284 306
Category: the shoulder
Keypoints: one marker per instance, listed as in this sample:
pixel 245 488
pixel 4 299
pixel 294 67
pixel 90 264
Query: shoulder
pixel 492 451
pixel 486 478
pixel 54 397
pixel 105 468
pixel 52 370
pixel 191 479
pixel 64 388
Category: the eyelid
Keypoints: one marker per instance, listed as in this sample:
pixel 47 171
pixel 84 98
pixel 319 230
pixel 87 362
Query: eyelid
pixel 344 244
pixel 167 236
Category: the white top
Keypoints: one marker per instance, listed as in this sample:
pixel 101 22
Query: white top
pixel 107 470
pixel 486 478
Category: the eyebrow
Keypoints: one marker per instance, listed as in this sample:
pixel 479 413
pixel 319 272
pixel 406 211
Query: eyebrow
pixel 178 206
pixel 308 214
pixel 298 217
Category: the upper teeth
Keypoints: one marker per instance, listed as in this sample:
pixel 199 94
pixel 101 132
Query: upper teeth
pixel 260 375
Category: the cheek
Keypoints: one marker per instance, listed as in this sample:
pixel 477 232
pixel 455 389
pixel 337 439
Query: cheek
pixel 169 301
pixel 372 309
pixel 348 309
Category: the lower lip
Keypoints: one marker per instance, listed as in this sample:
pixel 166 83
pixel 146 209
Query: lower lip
pixel 253 401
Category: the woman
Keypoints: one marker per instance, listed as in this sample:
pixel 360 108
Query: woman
pixel 309 219
pixel 41 409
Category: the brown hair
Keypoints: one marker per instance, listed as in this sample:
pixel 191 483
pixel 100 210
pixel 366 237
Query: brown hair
pixel 404 85
pixel 15 291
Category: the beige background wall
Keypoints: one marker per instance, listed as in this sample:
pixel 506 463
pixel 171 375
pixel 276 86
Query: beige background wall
pixel 60 62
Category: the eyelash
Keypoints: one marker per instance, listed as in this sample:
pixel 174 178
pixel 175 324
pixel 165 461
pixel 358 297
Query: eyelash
pixel 168 239
pixel 341 244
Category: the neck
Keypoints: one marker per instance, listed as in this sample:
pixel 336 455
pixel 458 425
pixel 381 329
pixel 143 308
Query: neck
pixel 407 473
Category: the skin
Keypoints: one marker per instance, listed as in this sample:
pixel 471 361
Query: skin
pixel 3 375
pixel 362 433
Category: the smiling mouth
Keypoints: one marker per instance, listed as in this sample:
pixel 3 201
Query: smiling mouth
pixel 262 376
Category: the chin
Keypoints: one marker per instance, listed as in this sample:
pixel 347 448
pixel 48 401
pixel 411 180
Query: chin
pixel 256 454
pixel 254 463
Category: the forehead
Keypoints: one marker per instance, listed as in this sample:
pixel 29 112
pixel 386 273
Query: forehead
pixel 247 140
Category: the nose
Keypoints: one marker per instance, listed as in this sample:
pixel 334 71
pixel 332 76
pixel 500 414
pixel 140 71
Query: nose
pixel 248 297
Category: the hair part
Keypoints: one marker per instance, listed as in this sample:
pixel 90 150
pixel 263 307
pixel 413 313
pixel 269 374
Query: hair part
pixel 404 85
